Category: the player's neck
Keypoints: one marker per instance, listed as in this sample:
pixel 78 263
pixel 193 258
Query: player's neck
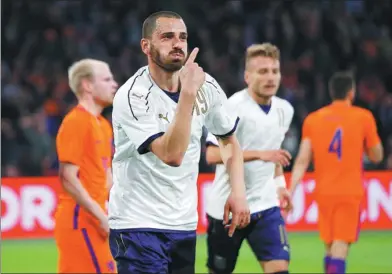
pixel 167 81
pixel 91 107
pixel 260 100
pixel 342 102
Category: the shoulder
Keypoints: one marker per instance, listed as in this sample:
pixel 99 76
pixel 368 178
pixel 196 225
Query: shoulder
pixel 238 97
pixel 284 104
pixel 77 118
pixel 361 112
pixel 134 93
pixel 137 86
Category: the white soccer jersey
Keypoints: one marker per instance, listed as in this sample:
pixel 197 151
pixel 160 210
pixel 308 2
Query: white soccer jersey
pixel 146 192
pixel 256 131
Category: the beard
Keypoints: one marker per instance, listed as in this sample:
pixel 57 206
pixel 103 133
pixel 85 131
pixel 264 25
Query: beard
pixel 166 65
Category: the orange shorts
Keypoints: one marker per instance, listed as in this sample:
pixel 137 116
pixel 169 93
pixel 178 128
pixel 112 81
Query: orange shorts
pixel 339 219
pixel 83 250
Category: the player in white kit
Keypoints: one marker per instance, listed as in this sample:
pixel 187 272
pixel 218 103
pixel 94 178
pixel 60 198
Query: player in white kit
pixel 264 121
pixel 158 115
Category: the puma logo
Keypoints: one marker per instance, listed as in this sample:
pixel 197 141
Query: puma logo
pixel 160 116
pixel 139 96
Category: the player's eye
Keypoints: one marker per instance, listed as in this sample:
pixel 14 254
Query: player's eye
pixel 263 71
pixel 275 71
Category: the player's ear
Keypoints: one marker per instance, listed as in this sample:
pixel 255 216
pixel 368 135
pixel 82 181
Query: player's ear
pixel 246 77
pixel 86 85
pixel 145 45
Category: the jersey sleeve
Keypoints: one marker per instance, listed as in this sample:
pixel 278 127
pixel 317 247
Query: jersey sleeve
pixel 371 136
pixel 289 116
pixel 306 128
pixel 221 120
pixel 136 116
pixel 71 143
pixel 211 140
pixel 109 138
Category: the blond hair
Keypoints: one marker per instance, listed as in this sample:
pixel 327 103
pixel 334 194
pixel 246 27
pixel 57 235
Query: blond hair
pixel 265 50
pixel 82 69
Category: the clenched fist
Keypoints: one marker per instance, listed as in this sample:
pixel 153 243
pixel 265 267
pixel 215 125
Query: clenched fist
pixel 192 76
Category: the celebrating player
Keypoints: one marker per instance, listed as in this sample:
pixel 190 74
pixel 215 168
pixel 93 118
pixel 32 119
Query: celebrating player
pixel 264 120
pixel 335 137
pixel 84 151
pixel 158 115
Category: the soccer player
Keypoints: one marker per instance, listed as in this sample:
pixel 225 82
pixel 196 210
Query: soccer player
pixel 84 148
pixel 335 137
pixel 264 121
pixel 158 115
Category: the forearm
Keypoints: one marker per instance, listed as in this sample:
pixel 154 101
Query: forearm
pixel 278 170
pixel 177 137
pixel 75 189
pixel 232 157
pixel 297 173
pixel 213 155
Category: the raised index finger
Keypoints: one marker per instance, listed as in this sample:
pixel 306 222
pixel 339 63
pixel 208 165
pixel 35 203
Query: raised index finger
pixel 192 56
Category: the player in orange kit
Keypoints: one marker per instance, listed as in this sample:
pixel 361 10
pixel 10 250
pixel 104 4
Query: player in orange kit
pixel 84 151
pixel 336 136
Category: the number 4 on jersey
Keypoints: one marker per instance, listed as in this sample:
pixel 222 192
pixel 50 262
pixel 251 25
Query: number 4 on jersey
pixel 336 144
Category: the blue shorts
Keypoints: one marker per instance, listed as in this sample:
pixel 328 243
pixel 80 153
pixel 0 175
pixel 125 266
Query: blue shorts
pixel 265 234
pixel 153 251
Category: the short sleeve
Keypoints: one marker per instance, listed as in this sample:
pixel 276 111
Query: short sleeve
pixel 136 116
pixel 109 150
pixel 371 136
pixel 221 120
pixel 306 128
pixel 290 115
pixel 71 143
pixel 211 140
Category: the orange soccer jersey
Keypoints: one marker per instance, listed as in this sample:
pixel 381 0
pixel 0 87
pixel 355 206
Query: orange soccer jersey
pixel 339 134
pixel 85 141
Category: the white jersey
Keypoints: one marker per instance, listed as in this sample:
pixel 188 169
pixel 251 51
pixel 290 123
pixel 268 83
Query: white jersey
pixel 256 131
pixel 147 193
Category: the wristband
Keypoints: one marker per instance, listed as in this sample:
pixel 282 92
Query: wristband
pixel 280 181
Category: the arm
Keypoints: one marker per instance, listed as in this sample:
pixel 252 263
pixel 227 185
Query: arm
pixel 172 145
pixel 373 147
pixel 71 146
pixel 232 157
pixel 69 179
pixel 213 155
pixel 301 163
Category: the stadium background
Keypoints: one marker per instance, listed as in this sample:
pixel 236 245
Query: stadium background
pixel 40 39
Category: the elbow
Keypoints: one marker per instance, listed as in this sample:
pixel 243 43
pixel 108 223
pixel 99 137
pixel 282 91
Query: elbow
pixel 376 159
pixel 212 158
pixel 173 160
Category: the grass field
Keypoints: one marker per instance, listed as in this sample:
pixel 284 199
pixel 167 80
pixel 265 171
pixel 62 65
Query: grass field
pixel 373 254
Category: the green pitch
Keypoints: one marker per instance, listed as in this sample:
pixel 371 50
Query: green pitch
pixel 373 254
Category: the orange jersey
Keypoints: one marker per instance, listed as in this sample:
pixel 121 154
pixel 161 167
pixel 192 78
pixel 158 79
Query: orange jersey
pixel 339 134
pixel 85 141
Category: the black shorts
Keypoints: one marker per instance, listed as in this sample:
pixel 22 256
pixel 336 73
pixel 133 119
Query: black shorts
pixel 266 235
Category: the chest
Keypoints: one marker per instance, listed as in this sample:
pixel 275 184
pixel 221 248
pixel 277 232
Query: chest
pixel 165 113
pixel 258 129
pixel 99 142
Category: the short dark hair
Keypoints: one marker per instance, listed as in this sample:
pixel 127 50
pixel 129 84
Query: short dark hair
pixel 149 24
pixel 340 84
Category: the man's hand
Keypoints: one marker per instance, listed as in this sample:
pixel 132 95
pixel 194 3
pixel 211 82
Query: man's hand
pixel 192 76
pixel 285 200
pixel 103 225
pixel 238 206
pixel 279 156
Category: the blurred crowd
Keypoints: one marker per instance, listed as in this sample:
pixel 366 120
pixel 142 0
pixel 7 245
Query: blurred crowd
pixel 41 39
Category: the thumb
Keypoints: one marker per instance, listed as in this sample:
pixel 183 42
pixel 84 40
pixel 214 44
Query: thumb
pixel 226 213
